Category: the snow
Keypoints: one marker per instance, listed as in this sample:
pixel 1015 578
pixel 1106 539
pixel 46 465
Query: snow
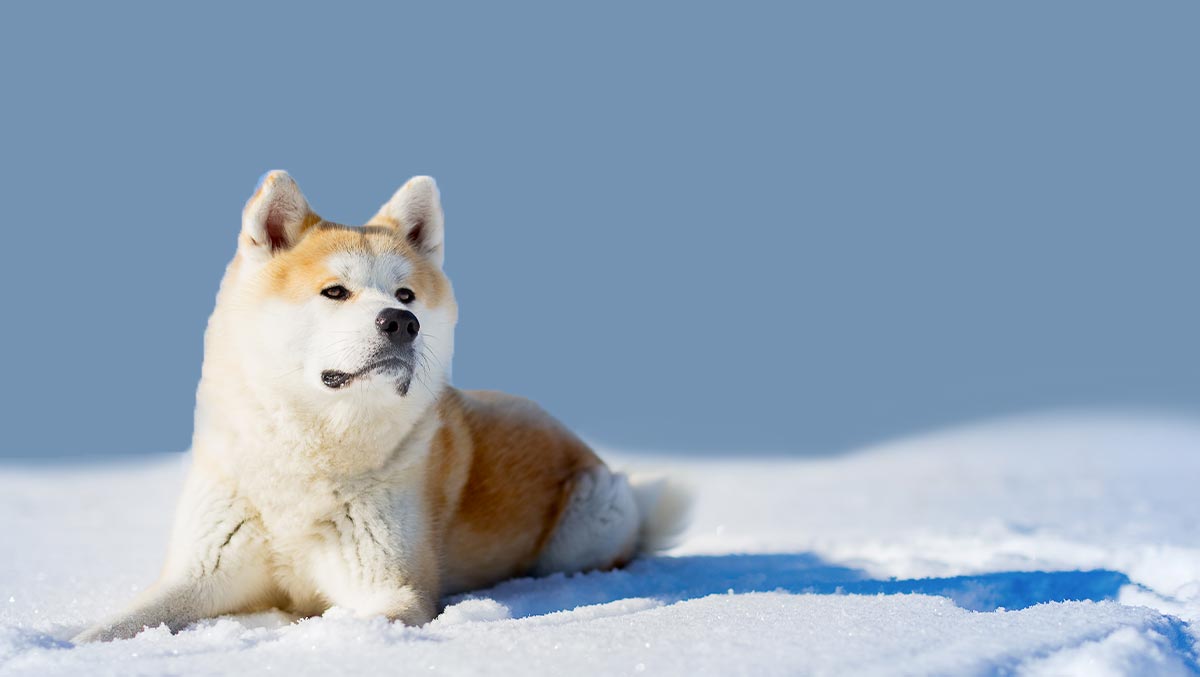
pixel 1043 546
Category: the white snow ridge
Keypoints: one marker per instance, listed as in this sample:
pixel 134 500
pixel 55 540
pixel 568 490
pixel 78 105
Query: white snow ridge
pixel 1042 546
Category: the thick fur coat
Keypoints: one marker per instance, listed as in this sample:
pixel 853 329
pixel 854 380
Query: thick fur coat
pixel 333 462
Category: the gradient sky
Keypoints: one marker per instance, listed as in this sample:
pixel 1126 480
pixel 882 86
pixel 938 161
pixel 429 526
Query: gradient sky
pixel 787 227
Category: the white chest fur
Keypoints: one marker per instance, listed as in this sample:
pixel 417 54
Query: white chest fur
pixel 338 512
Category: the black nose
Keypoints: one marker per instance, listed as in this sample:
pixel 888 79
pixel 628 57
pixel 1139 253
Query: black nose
pixel 400 326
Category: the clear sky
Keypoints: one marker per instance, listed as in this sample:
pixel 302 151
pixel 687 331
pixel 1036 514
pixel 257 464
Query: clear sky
pixel 790 227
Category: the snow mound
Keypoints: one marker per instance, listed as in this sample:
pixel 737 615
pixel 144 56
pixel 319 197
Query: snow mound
pixel 1046 546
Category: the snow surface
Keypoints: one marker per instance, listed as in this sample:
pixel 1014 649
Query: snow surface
pixel 1040 546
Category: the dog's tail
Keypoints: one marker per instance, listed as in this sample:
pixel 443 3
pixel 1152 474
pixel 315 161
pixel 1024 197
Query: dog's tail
pixel 664 511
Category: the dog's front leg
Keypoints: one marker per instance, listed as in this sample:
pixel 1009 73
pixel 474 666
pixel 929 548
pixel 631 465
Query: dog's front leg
pixel 217 563
pixel 379 559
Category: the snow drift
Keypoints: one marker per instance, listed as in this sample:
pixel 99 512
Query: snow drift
pixel 1041 546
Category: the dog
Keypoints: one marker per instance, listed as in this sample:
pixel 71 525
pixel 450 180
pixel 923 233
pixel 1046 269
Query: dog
pixel 333 464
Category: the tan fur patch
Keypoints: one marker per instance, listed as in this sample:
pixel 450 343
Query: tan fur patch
pixel 501 473
pixel 383 221
pixel 302 271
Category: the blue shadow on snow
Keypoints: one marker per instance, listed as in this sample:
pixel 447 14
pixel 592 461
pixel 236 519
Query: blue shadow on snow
pixel 680 578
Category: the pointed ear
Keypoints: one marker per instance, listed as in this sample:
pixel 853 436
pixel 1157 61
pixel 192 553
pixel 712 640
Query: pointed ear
pixel 275 217
pixel 415 211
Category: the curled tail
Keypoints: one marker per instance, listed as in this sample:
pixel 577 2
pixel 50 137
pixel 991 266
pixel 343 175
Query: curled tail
pixel 664 511
pixel 610 518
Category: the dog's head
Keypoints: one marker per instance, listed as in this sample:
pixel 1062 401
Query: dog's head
pixel 337 316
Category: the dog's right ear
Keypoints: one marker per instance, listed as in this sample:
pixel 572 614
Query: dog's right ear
pixel 415 213
pixel 275 217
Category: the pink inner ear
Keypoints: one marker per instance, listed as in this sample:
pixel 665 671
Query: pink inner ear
pixel 414 235
pixel 276 226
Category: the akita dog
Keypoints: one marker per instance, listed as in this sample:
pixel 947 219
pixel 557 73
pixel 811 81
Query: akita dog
pixel 333 463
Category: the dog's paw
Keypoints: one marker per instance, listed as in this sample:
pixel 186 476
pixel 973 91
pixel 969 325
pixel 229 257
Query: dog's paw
pixel 107 632
pixel 403 604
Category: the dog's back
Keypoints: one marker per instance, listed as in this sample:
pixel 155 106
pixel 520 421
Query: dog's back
pixel 521 494
pixel 500 475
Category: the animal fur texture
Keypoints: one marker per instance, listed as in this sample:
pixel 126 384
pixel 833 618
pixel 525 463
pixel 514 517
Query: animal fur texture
pixel 333 462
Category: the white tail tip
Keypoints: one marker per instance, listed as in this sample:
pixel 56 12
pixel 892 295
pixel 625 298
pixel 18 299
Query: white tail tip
pixel 664 510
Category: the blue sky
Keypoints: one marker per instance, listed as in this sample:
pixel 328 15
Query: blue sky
pixel 763 228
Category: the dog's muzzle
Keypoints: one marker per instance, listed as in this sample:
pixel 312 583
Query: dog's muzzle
pixel 335 379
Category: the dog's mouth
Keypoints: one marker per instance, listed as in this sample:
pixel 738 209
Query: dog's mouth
pixel 334 379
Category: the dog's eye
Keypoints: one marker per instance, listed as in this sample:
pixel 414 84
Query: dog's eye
pixel 337 292
pixel 405 295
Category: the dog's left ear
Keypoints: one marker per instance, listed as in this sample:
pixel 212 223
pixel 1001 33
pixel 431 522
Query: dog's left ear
pixel 415 211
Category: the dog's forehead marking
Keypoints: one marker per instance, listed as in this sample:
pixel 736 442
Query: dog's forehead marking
pixel 369 268
pixel 366 257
